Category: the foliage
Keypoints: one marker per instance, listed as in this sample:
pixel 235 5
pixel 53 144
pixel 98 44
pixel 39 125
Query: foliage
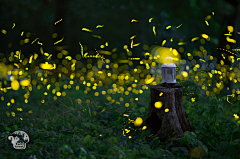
pixel 66 128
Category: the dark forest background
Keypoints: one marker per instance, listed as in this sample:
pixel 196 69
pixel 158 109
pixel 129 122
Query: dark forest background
pixel 38 17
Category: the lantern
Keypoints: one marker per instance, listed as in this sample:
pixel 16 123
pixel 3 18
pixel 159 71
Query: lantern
pixel 168 71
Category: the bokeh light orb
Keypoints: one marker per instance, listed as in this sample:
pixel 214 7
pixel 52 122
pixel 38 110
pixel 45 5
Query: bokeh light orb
pixel 159 53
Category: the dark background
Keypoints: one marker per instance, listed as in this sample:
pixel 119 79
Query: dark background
pixel 38 18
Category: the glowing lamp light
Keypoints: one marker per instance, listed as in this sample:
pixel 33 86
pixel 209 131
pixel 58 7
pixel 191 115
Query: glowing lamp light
pixel 168 71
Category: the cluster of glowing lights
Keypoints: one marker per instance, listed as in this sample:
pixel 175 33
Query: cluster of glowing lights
pixel 158 51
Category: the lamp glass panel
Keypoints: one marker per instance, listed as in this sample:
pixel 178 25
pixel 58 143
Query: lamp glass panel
pixel 169 71
pixel 169 74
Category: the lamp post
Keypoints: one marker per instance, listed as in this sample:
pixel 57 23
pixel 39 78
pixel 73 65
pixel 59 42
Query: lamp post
pixel 169 71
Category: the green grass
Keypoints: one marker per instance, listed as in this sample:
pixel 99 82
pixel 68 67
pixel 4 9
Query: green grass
pixel 66 129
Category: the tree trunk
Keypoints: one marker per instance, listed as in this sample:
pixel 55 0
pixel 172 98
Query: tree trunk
pixel 171 124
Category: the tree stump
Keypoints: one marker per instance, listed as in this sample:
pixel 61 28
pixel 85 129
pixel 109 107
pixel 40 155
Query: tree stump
pixel 171 124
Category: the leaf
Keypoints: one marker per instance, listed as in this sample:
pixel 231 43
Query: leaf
pixel 142 109
pixel 236 141
pixel 193 133
pixel 168 145
pixel 173 139
pixel 155 138
pixel 90 111
pixel 68 148
pixel 174 133
pixel 15 127
pixel 148 132
pixel 116 114
pixel 86 124
pixel 133 105
pixel 144 145
pixel 91 125
pixel 221 106
pixel 221 103
pixel 120 119
pixel 203 146
pixel 154 142
pixel 7 128
pixel 186 133
pixel 115 140
pixel 87 137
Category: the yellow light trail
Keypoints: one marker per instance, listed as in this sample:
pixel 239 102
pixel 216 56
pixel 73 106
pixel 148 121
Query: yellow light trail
pixel 81 48
pixel 58 41
pixel 154 30
pixel 179 26
pixel 58 21
pixel 150 20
